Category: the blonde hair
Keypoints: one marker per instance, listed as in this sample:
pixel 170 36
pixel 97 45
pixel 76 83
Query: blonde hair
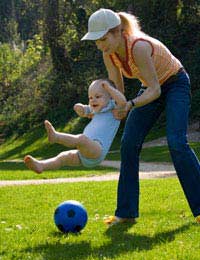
pixel 129 23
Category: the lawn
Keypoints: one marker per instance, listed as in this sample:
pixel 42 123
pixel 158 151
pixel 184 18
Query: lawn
pixel 165 229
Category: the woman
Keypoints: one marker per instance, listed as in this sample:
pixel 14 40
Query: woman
pixel 129 52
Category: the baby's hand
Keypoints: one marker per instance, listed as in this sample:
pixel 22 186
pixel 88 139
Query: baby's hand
pixel 79 109
pixel 105 85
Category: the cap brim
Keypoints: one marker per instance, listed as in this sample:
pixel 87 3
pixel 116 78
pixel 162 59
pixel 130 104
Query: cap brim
pixel 93 35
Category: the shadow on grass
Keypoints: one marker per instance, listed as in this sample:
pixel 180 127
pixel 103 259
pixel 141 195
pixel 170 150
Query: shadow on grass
pixel 132 242
pixel 12 166
pixel 33 136
pixel 120 242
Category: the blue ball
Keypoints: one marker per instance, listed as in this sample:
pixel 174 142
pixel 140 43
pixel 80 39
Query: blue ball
pixel 70 216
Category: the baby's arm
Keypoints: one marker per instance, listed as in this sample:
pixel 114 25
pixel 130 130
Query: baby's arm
pixel 82 110
pixel 115 94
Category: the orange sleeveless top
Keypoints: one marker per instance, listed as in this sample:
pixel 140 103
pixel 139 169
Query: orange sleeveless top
pixel 165 63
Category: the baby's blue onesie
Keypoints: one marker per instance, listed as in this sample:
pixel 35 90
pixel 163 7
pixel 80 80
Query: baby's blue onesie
pixel 102 128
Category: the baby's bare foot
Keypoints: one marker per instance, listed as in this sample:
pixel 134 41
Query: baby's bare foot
pixel 50 131
pixel 33 164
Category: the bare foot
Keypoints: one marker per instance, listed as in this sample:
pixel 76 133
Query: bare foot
pixel 33 164
pixel 50 131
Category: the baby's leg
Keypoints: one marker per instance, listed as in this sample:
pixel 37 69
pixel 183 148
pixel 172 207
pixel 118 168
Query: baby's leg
pixel 88 148
pixel 51 132
pixel 68 140
pixel 67 158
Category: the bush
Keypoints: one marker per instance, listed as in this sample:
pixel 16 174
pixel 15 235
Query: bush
pixel 20 94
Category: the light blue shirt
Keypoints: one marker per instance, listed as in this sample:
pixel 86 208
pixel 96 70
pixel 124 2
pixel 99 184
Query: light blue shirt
pixel 103 127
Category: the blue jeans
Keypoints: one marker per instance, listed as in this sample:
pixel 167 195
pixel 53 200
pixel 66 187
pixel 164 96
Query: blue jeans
pixel 175 99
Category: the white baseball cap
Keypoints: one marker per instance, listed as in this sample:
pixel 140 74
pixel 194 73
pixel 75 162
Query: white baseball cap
pixel 100 22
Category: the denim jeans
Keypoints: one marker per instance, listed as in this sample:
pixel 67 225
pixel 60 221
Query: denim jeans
pixel 175 100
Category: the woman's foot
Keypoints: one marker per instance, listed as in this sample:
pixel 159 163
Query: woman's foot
pixel 113 220
pixel 33 164
pixel 198 219
pixel 50 131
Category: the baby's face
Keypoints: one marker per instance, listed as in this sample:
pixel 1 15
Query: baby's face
pixel 98 96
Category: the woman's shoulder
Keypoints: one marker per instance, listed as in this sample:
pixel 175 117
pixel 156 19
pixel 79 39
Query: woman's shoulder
pixel 140 43
pixel 142 38
pixel 145 42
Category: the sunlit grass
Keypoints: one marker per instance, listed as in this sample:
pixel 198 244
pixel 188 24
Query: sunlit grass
pixel 165 230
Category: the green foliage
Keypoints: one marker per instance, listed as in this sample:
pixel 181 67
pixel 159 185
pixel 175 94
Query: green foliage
pixel 33 53
pixel 48 77
pixel 9 60
pixel 14 63
pixel 20 94
pixel 20 20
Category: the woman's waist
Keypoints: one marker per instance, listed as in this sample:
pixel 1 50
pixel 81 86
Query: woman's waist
pixel 170 79
pixel 173 77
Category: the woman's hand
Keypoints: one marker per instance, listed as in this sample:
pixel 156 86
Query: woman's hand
pixel 121 112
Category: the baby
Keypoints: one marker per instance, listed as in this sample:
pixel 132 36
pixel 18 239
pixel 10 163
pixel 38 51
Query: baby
pixel 90 147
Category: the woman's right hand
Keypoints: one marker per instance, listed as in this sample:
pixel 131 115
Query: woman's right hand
pixel 121 112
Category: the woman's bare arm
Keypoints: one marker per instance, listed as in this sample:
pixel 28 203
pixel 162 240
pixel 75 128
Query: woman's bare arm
pixel 114 73
pixel 115 94
pixel 142 57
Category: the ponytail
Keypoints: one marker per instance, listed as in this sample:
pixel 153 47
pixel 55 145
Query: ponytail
pixel 130 23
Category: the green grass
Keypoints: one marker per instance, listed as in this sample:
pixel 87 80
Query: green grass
pixel 155 154
pixel 18 171
pixel 166 229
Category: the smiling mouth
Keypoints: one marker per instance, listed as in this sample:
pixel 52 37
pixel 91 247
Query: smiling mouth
pixel 94 106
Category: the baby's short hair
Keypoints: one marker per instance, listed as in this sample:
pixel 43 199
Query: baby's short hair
pixel 108 80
